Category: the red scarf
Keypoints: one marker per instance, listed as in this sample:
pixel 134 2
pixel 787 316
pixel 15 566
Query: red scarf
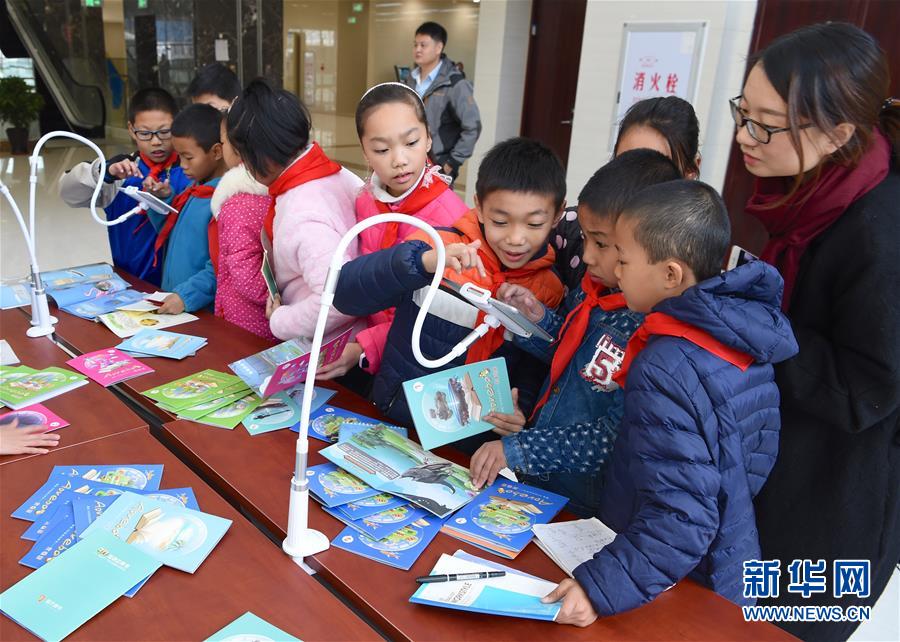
pixel 813 209
pixel 658 323
pixel 573 330
pixel 212 237
pixel 311 166
pixel 430 186
pixel 200 191
pixel 158 168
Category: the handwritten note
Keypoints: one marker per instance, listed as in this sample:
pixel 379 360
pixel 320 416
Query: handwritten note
pixel 572 543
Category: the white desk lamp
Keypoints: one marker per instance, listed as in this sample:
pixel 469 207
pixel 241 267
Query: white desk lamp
pixel 301 540
pixel 41 321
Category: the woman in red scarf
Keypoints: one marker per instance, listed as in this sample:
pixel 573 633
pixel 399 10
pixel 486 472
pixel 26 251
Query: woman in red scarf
pixel 817 129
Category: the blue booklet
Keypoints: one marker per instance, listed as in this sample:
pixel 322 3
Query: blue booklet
pixel 87 508
pixel 42 502
pixel 500 519
pixel 400 549
pixel 250 628
pixel 176 536
pixel 325 424
pixel 58 598
pixel 160 343
pixel 282 410
pixel 371 505
pixel 381 525
pixel 60 536
pixel 333 486
pixel 140 476
pixel 393 464
pixel 83 283
pixel 449 405
pixel 516 594
pixel 93 308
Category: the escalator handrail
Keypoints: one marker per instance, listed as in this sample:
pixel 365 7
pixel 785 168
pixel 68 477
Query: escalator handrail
pixel 59 74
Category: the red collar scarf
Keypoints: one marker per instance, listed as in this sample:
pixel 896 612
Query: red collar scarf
pixel 200 191
pixel 430 186
pixel 313 165
pixel 573 330
pixel 158 168
pixel 813 209
pixel 658 323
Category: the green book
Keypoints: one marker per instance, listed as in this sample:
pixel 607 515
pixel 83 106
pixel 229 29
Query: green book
pixel 234 413
pixel 195 412
pixel 23 386
pixel 194 389
pixel 59 597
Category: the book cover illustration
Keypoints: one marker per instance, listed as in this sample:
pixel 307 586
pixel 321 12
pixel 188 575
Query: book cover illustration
pixel 36 415
pixel 284 366
pixel 160 343
pixel 194 389
pixel 333 486
pixel 139 476
pixel 87 508
pixel 283 409
pixel 93 308
pixel 516 594
pixel 371 505
pixel 194 413
pixel 109 367
pixel 399 549
pixel 326 423
pixel 21 386
pixel 250 628
pixel 83 283
pixel 127 323
pixel 381 525
pixel 500 519
pixel 449 405
pixel 230 416
pixel 42 502
pixel 394 464
pixel 56 599
pixel 176 536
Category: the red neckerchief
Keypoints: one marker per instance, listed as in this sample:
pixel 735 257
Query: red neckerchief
pixel 311 166
pixel 430 186
pixel 658 323
pixel 158 168
pixel 573 330
pixel 792 226
pixel 212 236
pixel 200 191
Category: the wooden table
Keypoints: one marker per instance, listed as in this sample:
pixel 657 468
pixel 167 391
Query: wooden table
pixel 92 410
pixel 227 343
pixel 245 572
pixel 233 463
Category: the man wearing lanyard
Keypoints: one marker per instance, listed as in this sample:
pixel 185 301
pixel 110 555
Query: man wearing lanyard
pixel 453 118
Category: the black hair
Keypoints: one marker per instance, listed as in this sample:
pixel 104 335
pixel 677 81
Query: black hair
pixel 151 99
pixel 675 120
pixel 201 122
pixel 684 220
pixel 435 31
pixel 827 74
pixel 268 127
pixel 521 165
pixel 389 92
pixel 607 192
pixel 217 79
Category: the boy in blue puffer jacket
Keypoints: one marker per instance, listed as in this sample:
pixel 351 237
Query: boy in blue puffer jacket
pixel 567 447
pixel 700 430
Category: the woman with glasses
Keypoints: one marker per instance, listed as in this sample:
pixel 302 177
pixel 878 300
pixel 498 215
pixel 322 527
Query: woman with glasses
pixel 820 134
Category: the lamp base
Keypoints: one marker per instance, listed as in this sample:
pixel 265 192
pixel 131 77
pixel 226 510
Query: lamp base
pixel 308 542
pixel 39 331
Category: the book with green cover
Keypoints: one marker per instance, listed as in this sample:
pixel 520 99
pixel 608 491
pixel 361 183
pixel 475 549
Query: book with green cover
pixel 58 598
pixel 194 389
pixel 230 416
pixel 22 386
pixel 195 412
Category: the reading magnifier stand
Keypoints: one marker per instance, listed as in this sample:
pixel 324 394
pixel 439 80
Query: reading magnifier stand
pixel 301 540
pixel 41 321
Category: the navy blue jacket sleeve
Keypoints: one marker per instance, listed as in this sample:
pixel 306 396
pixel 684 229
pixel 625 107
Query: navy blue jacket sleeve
pixel 381 280
pixel 677 481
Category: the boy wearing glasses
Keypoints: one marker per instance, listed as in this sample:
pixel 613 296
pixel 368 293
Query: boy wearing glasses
pixel 150 116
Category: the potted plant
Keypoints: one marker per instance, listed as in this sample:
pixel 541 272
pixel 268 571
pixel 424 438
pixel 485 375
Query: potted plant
pixel 19 106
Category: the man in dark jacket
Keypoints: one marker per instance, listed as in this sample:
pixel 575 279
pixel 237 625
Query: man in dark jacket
pixel 700 429
pixel 453 118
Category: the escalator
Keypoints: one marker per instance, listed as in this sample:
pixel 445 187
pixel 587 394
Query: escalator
pixel 67 59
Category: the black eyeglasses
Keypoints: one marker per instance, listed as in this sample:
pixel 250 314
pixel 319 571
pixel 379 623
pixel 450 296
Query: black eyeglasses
pixel 144 134
pixel 758 132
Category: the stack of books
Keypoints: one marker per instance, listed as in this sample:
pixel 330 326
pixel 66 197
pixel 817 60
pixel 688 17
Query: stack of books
pixel 208 397
pixel 21 386
pixel 159 343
